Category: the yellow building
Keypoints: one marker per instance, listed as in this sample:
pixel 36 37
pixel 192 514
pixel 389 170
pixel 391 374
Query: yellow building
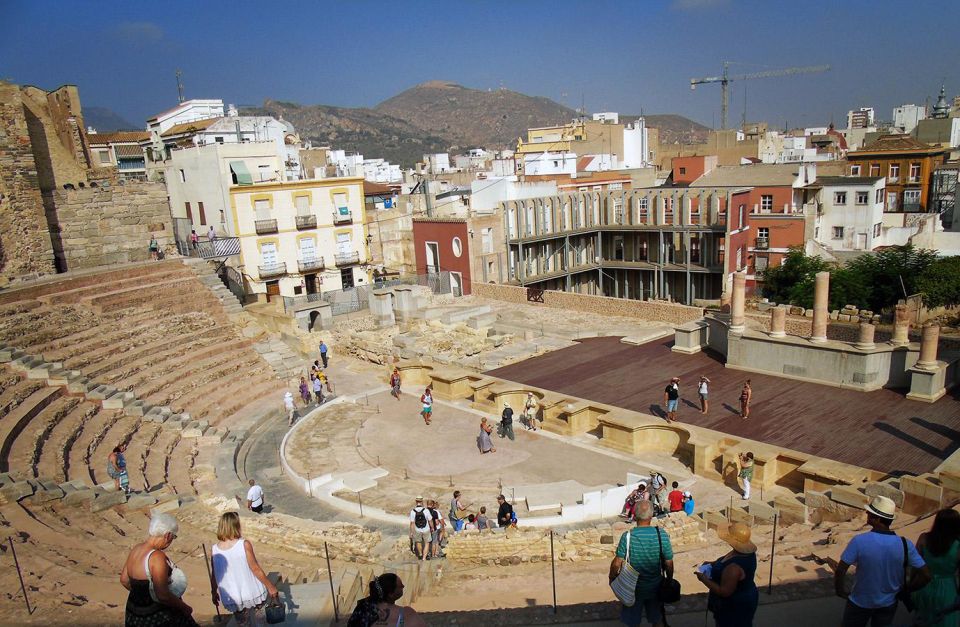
pixel 301 237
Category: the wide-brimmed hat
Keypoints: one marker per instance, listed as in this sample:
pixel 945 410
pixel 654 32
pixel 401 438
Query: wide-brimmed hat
pixel 737 535
pixel 419 498
pixel 883 507
pixel 687 494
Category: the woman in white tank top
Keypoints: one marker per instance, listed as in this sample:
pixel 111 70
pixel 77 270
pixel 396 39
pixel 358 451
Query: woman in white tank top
pixel 242 586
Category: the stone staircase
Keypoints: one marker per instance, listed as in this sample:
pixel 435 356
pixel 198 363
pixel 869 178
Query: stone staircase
pixel 204 272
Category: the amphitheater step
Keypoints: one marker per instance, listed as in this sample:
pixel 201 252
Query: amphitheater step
pixel 105 499
pixel 101 393
pixel 43 370
pixel 26 363
pixel 137 408
pixel 13 492
pixel 44 490
pixel 9 354
pixel 119 400
pixel 13 424
pixel 76 492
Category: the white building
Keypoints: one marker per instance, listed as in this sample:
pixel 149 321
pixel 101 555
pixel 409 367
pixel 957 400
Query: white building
pixel 437 163
pixel 301 237
pixel 486 195
pixel 350 165
pixel 187 111
pixel 550 163
pixel 849 212
pixel 474 160
pixel 636 146
pixel 608 116
pixel 906 117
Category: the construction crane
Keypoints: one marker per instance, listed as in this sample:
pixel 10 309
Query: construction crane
pixel 725 79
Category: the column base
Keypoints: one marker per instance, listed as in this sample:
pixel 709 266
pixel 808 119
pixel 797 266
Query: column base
pixel 818 340
pixel 928 385
pixel 778 334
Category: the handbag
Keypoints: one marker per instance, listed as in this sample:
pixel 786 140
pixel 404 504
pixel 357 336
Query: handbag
pixel 904 595
pixel 625 585
pixel 669 590
pixel 276 611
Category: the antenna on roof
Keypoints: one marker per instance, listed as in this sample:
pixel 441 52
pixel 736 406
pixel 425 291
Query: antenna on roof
pixel 179 86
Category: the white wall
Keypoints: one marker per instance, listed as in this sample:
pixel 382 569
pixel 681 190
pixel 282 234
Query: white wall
pixel 635 145
pixel 188 111
pixel 905 117
pixel 858 221
pixel 550 163
pixel 488 194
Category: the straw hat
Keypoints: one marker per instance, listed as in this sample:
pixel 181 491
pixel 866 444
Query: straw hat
pixel 883 507
pixel 737 535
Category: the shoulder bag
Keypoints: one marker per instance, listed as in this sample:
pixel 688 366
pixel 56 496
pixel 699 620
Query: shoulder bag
pixel 276 611
pixel 625 585
pixel 669 590
pixel 904 595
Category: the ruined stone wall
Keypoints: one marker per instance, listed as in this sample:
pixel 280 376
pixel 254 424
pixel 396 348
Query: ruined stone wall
pixel 108 225
pixel 659 311
pixel 25 246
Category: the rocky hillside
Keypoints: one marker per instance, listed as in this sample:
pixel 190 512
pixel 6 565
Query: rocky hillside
pixel 440 116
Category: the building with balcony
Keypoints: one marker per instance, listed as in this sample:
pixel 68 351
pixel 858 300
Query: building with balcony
pixel 847 212
pixel 294 239
pixel 443 245
pixel 907 165
pixel 652 243
pixel 122 150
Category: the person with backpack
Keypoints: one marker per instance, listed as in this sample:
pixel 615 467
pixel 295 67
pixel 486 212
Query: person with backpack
pixel 421 530
pixel 658 492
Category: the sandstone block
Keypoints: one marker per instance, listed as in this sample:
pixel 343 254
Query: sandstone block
pixel 140 501
pixel 761 511
pixel 821 508
pixel 792 510
pixel 849 495
pixel 885 489
pixel 106 500
pixel 13 492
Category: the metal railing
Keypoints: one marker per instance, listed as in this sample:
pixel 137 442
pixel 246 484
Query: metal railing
pixel 306 222
pixel 272 270
pixel 340 218
pixel 357 298
pixel 310 265
pixel 219 248
pixel 346 259
pixel 265 226
pixel 762 243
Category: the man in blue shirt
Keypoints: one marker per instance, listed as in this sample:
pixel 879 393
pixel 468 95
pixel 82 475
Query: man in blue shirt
pixel 879 557
pixel 645 559
pixel 323 353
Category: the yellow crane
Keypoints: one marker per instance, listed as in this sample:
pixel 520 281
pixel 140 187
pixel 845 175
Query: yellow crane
pixel 725 78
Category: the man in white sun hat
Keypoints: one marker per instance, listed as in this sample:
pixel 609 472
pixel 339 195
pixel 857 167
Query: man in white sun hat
pixel 881 558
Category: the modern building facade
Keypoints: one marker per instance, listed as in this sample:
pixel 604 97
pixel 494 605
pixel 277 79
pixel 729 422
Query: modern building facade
pixel 848 212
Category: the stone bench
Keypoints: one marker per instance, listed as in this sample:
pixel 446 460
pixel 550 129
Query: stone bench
pixel 452 383
pixel 820 474
pixel 633 432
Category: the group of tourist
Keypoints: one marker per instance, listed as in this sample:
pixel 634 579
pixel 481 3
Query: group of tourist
pixel 655 491
pixel 156 585
pixel 312 390
pixel 529 419
pixel 429 528
pixel 671 397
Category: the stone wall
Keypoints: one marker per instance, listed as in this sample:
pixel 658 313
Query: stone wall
pixel 109 225
pixel 659 311
pixel 25 246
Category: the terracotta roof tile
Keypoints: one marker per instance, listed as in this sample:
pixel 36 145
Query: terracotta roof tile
pixel 189 127
pixel 102 139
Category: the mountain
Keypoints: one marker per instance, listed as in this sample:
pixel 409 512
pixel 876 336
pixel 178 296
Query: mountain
pixel 106 121
pixel 440 116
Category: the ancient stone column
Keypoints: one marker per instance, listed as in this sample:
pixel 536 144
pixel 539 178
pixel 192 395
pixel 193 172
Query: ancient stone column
pixel 865 341
pixel 738 302
pixel 930 336
pixel 901 326
pixel 821 313
pixel 778 321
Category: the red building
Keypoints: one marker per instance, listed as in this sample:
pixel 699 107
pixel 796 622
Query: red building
pixel 443 245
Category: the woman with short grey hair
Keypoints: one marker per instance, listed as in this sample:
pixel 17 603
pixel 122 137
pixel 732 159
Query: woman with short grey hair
pixel 154 582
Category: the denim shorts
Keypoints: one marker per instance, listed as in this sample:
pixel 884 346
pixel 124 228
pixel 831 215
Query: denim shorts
pixel 672 405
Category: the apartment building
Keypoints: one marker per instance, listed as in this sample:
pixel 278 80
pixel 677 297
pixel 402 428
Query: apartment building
pixel 847 212
pixel 908 166
pixel 122 150
pixel 301 237
pixel 443 245
pixel 642 244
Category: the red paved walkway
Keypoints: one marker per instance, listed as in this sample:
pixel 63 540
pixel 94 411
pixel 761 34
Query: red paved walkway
pixel 880 430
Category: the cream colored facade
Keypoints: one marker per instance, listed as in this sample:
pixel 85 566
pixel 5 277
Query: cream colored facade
pixel 301 237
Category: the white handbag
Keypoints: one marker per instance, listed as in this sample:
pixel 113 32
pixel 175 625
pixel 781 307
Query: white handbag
pixel 625 585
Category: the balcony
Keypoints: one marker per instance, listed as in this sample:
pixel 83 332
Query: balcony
pixel 347 259
pixel 762 243
pixel 314 264
pixel 306 222
pixel 264 227
pixel 272 270
pixel 342 216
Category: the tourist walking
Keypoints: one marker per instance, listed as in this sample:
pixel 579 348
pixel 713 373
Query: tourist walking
pixel 194 240
pixel 380 607
pixel 318 389
pixel 255 498
pixel 211 234
pixel 315 369
pixel 733 594
pixel 304 391
pixel 505 514
pixel 290 408
pixel 703 390
pixel 881 558
pixel 395 383
pixel 939 548
pixel 117 467
pixel 239 583
pixel 426 400
pixel 156 585
pixel 675 498
pixel 421 530
pixel 506 422
pixel 153 247
pixel 484 443
pixel 671 398
pixel 439 535
pixel 325 380
pixel 648 551
pixel 746 472
pixel 530 412
pixel 658 492
pixel 323 353
pixel 746 394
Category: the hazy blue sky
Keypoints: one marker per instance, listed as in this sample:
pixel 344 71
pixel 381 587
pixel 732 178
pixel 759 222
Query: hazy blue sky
pixel 622 56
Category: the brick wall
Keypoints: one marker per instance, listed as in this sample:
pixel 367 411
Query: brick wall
pixel 25 245
pixel 109 225
pixel 659 311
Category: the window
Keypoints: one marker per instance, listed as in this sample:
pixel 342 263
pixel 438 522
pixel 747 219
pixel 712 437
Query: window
pixel 877 229
pixel 457 247
pixel 911 199
pixel 855 170
pixel 892 204
pixel 223 217
pixel 914 172
pixel 303 205
pixel 879 198
pixel 104 156
pixel 643 203
pixel 203 216
pixel 763 232
pixel 838 232
pixel 486 240
pixel 189 212
pixel 839 198
pixel 863 198
pixel 761 262
pixel 683 170
pixel 183 177
pixel 893 174
pixel 218 139
pixel 743 213
pixel 340 202
pixel 262 209
pixel 766 203
pixel 874 169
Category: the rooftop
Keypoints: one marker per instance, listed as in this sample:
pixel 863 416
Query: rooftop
pixel 896 143
pixel 836 181
pixel 753 175
pixel 120 137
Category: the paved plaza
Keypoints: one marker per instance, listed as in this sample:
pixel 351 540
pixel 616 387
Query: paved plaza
pixel 881 430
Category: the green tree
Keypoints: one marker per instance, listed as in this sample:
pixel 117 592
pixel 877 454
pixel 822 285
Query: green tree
pixel 792 281
pixel 940 283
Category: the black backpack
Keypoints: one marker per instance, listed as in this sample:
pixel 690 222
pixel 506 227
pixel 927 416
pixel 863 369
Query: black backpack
pixel 419 518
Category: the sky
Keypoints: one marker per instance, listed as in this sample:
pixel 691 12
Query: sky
pixel 629 57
